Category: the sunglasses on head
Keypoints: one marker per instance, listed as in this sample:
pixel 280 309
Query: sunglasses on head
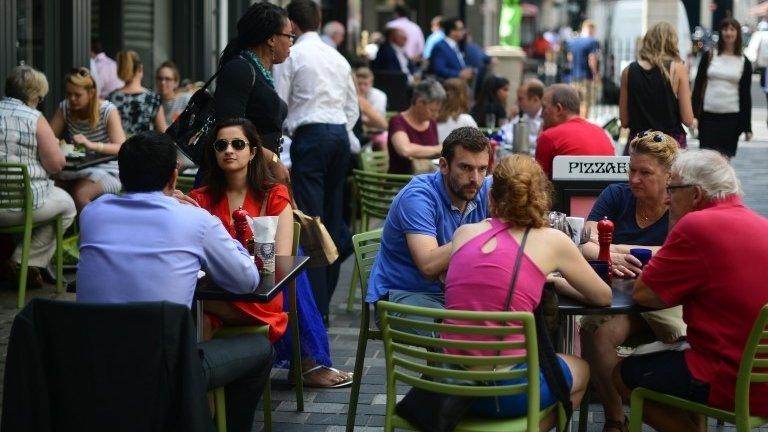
pixel 656 136
pixel 221 144
pixel 83 72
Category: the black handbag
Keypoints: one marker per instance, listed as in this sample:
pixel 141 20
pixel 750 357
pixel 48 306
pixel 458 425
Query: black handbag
pixel 191 128
pixel 440 412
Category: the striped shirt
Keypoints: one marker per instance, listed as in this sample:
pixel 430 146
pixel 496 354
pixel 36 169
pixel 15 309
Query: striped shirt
pixel 95 134
pixel 18 144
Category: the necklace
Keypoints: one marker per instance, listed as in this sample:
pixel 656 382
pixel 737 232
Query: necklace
pixel 264 72
pixel 641 213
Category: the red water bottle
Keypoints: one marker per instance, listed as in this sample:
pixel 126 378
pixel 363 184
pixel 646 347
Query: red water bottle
pixel 604 238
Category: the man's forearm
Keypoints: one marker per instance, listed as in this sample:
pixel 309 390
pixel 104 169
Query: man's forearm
pixel 435 262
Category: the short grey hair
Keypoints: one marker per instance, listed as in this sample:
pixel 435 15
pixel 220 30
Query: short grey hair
pixel 709 170
pixel 565 95
pixel 428 90
pixel 332 28
pixel 25 83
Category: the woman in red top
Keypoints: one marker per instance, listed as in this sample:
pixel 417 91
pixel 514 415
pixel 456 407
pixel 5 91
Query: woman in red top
pixel 238 177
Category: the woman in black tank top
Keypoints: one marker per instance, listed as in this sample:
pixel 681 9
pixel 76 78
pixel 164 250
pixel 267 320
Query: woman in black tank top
pixel 655 93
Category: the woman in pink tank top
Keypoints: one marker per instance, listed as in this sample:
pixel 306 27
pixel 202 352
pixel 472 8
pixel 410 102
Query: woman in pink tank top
pixel 480 271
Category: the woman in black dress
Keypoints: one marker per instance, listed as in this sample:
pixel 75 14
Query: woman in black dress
pixel 244 87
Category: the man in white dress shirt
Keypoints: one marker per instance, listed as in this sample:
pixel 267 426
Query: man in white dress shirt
pixel 316 82
pixel 529 96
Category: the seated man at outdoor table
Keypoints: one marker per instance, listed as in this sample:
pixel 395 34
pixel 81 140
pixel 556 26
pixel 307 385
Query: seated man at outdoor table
pixel 565 132
pixel 146 246
pixel 712 263
pixel 416 241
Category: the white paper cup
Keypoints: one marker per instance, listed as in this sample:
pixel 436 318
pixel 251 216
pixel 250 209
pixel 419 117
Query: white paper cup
pixel 264 256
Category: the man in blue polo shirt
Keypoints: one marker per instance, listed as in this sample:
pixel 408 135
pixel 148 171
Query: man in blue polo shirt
pixel 416 242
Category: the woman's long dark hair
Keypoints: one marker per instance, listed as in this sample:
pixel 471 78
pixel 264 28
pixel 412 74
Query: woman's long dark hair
pixel 737 46
pixel 486 98
pixel 258 23
pixel 259 178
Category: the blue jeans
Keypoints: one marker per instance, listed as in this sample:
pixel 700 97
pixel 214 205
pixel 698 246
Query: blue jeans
pixel 241 364
pixel 320 160
pixel 421 299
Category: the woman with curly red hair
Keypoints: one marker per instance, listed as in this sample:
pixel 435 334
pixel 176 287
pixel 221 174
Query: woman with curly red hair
pixel 480 271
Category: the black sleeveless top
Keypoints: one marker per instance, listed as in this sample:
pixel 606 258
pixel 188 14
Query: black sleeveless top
pixel 652 102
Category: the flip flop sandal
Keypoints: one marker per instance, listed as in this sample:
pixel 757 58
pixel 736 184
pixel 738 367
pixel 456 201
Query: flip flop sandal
pixel 617 424
pixel 343 383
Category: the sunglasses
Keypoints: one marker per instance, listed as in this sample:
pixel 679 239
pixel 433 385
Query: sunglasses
pixel 221 144
pixel 656 136
pixel 163 79
pixel 83 72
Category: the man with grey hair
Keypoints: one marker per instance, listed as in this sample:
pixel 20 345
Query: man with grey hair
pixel 333 34
pixel 565 132
pixel 713 264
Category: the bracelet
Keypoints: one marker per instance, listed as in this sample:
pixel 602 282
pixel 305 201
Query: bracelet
pixel 100 148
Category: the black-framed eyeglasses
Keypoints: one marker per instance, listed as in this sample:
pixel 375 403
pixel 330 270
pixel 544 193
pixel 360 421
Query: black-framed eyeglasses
pixel 290 36
pixel 163 79
pixel 221 144
pixel 670 188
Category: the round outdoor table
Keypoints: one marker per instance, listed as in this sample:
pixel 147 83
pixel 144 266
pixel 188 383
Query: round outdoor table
pixel 621 302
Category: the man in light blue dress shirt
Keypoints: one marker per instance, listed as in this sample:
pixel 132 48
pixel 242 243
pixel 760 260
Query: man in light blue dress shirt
pixel 147 246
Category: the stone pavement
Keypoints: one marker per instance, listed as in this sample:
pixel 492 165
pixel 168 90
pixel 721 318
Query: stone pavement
pixel 325 410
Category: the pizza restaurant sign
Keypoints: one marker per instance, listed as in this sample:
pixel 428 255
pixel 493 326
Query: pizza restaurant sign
pixel 587 168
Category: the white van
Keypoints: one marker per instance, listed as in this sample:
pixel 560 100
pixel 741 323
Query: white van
pixel 619 28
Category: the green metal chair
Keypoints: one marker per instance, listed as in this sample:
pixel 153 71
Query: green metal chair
pixel 366 246
pixel 376 192
pixel 374 161
pixel 16 193
pixel 229 331
pixel 755 357
pixel 408 356
pixel 185 183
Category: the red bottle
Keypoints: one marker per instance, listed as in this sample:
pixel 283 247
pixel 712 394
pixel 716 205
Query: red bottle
pixel 604 238
pixel 240 221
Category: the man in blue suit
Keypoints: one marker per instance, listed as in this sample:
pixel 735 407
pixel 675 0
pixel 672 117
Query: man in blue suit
pixel 446 60
pixel 391 55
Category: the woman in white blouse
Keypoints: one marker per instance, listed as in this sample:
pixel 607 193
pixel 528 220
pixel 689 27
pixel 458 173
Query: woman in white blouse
pixel 454 113
pixel 722 102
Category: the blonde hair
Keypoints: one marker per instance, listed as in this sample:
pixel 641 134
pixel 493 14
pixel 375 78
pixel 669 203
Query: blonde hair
pixel 456 99
pixel 128 63
pixel 363 73
pixel 82 78
pixel 658 145
pixel 521 192
pixel 659 46
pixel 25 84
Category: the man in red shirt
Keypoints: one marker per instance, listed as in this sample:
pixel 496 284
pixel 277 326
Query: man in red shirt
pixel 713 264
pixel 565 133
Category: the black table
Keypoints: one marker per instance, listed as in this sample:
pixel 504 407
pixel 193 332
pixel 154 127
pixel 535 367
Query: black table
pixel 286 270
pixel 80 163
pixel 621 303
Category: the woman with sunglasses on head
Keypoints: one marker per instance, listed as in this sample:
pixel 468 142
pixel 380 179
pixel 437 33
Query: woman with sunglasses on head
pixel 722 98
pixel 238 177
pixel 167 79
pixel 639 212
pixel 140 109
pixel 84 119
pixel 245 87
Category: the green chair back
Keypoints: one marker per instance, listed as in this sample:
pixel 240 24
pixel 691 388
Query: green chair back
pixel 377 190
pixel 753 369
pixel 374 161
pixel 16 193
pixel 410 358
pixel 366 246
pixel 185 183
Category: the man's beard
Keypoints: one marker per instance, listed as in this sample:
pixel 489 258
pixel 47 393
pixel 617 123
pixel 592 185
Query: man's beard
pixel 457 189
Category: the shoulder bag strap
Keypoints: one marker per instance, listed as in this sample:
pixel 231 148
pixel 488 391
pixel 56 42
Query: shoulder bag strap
pixel 264 203
pixel 515 270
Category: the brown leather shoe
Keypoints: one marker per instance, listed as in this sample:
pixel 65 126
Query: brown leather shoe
pixel 34 278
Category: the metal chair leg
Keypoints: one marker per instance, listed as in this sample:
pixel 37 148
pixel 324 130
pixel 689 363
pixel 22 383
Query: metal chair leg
pixel 357 378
